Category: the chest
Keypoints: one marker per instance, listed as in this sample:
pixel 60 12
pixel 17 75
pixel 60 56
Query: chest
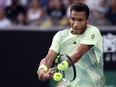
pixel 69 44
pixel 74 40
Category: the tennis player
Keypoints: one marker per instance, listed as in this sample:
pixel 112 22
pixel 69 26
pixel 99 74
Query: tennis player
pixel 83 43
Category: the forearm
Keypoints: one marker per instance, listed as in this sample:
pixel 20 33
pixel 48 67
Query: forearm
pixel 70 60
pixel 46 61
pixel 75 56
pixel 49 59
pixel 43 70
pixel 80 51
pixel 44 65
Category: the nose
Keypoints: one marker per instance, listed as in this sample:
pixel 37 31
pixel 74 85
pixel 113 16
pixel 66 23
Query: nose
pixel 76 23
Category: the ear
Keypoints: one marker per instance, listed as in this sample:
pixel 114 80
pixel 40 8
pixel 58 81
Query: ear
pixel 88 20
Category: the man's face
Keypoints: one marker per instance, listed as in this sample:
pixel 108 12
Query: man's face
pixel 78 22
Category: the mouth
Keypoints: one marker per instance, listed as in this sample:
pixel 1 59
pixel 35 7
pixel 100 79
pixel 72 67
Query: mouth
pixel 76 28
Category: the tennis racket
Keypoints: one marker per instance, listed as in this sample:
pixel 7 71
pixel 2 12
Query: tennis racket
pixel 68 75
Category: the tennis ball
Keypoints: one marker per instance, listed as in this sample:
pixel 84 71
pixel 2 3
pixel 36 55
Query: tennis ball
pixel 57 76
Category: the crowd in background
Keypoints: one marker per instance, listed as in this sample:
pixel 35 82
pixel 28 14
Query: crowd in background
pixel 53 12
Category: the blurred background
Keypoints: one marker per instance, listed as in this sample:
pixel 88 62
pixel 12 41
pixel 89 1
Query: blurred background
pixel 26 31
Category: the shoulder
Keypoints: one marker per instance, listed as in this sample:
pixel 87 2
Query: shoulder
pixel 63 33
pixel 92 29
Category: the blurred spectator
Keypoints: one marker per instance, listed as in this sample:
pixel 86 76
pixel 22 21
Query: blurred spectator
pixel 78 1
pixel 2 3
pixel 57 12
pixel 68 4
pixel 13 10
pixel 44 3
pixel 111 13
pixel 98 15
pixel 102 7
pixel 8 2
pixel 21 19
pixel 93 4
pixel 4 22
pixel 45 21
pixel 34 13
pixel 23 2
pixel 101 14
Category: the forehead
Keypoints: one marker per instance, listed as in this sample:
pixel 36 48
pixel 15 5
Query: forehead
pixel 78 14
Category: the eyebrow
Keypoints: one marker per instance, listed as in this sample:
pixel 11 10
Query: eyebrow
pixel 76 18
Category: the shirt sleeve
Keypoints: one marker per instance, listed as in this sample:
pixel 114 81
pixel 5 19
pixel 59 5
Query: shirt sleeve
pixel 91 36
pixel 55 42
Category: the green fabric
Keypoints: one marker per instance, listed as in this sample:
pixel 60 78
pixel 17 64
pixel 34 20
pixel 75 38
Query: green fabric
pixel 90 66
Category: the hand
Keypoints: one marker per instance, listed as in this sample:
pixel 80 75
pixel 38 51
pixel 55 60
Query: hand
pixel 42 74
pixel 50 73
pixel 45 75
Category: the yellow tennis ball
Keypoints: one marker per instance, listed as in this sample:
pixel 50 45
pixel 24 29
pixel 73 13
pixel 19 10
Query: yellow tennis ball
pixel 57 76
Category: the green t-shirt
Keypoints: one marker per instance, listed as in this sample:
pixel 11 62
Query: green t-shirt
pixel 90 66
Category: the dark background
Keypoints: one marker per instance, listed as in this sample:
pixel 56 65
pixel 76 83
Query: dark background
pixel 20 54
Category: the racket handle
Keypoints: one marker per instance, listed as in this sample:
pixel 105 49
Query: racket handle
pixel 57 76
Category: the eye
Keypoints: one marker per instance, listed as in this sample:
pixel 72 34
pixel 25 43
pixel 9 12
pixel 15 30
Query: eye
pixel 77 19
pixel 80 19
pixel 73 19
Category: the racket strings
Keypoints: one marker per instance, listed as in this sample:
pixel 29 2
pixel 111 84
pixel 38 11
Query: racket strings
pixel 69 74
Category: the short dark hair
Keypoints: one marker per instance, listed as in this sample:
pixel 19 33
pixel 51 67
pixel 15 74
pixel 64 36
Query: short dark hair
pixel 79 7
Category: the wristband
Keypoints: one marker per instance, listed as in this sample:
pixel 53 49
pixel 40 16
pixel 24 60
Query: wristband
pixel 63 66
pixel 42 66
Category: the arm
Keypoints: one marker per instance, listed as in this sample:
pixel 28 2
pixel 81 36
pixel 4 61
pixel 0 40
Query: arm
pixel 80 51
pixel 47 61
pixel 44 71
pixel 50 57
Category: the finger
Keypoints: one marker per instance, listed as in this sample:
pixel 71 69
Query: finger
pixel 50 73
pixel 41 75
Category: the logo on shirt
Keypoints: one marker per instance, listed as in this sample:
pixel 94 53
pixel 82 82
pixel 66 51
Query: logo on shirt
pixel 74 42
pixel 92 36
